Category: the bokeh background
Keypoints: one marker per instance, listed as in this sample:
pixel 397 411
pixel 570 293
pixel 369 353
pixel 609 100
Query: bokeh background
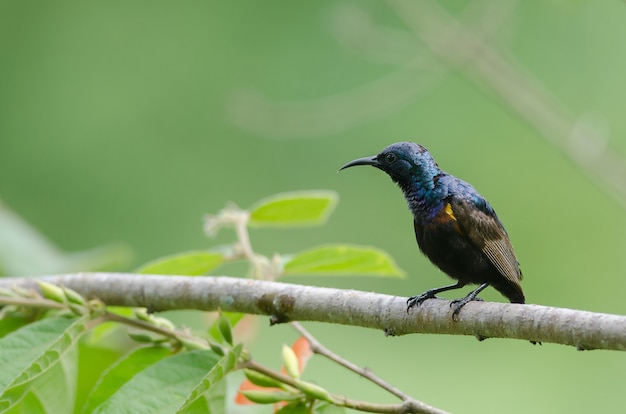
pixel 126 122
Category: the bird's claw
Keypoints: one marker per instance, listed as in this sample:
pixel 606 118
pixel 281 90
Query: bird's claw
pixel 459 303
pixel 418 299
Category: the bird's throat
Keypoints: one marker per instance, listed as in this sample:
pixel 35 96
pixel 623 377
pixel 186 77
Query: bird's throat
pixel 423 196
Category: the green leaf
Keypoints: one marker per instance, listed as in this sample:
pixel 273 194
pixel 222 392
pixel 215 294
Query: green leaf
pixel 233 318
pixel 32 350
pixel 52 292
pixel 29 404
pixel 290 362
pixel 225 365
pixel 121 372
pixel 294 209
pixel 226 330
pixel 343 260
pixel 11 322
pixel 193 263
pixel 55 390
pixel 73 297
pixel 261 380
pixel 217 348
pixel 216 399
pixel 270 397
pixel 212 402
pixel 313 390
pixel 327 408
pixel 171 385
pixel 297 407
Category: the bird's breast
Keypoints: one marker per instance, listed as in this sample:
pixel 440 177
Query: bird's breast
pixel 443 242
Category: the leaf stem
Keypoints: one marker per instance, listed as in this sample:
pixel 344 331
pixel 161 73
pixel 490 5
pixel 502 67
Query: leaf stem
pixel 33 303
pixel 406 407
pixel 241 229
pixel 318 348
pixel 137 323
pixel 261 264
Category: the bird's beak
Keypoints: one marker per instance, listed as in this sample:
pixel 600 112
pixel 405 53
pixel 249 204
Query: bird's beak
pixel 362 161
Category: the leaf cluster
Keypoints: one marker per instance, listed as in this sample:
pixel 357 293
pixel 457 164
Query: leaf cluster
pixel 167 369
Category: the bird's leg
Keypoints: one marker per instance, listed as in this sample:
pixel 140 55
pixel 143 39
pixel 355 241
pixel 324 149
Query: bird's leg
pixel 430 294
pixel 459 303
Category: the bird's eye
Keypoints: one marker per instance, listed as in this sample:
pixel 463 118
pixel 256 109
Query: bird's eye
pixel 390 157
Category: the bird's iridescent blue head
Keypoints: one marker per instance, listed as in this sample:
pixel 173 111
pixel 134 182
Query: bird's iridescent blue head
pixel 406 163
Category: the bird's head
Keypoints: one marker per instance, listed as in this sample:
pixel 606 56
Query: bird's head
pixel 404 162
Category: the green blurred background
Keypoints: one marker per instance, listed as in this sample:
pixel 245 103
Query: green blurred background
pixel 128 121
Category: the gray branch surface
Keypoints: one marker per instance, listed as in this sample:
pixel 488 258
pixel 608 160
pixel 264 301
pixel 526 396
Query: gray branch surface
pixel 285 302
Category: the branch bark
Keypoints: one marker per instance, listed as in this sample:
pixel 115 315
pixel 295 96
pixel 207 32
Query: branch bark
pixel 290 302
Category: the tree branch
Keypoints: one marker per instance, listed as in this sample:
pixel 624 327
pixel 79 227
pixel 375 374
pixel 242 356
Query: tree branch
pixel 289 302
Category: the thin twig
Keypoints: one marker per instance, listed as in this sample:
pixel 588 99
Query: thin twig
pixel 406 407
pixel 40 303
pixel 318 348
pixel 136 323
pixel 241 229
pixel 261 265
pixel 181 338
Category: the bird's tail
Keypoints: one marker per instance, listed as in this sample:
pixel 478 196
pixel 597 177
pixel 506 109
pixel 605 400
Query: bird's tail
pixel 511 292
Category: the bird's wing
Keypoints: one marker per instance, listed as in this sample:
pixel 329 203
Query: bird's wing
pixel 479 223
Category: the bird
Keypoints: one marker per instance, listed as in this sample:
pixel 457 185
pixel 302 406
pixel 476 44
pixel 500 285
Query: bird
pixel 456 228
